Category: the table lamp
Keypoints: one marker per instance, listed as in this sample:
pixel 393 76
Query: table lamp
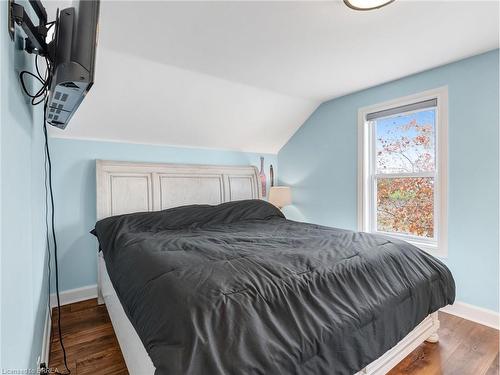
pixel 280 196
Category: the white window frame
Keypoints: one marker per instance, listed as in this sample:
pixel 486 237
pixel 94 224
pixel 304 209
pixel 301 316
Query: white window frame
pixel 367 202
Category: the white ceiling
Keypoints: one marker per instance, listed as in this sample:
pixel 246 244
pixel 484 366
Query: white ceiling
pixel 245 75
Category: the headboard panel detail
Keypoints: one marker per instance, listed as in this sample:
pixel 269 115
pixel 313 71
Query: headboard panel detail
pixel 125 187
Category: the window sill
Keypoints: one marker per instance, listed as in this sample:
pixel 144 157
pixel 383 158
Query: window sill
pixel 429 247
pixel 432 249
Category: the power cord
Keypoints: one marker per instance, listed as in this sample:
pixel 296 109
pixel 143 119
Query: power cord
pixel 51 191
pixel 41 96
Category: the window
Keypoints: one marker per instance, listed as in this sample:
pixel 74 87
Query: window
pixel 403 169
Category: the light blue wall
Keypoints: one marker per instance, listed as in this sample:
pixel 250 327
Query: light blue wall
pixel 74 182
pixel 22 252
pixel 320 163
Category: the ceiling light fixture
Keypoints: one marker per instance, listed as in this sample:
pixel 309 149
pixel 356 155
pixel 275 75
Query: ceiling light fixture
pixel 367 4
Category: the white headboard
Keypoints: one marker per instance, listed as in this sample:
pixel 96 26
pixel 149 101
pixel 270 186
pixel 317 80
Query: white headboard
pixel 125 187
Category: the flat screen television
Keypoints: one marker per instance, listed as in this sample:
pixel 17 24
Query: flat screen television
pixel 72 52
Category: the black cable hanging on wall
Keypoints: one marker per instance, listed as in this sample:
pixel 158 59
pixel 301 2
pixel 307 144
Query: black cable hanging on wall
pixel 41 96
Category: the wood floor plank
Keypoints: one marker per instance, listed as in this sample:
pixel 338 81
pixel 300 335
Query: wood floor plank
pixel 105 361
pixel 464 348
pixel 89 339
pixel 494 368
pixel 476 354
pixel 428 358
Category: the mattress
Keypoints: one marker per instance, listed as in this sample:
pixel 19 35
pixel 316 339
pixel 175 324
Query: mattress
pixel 239 289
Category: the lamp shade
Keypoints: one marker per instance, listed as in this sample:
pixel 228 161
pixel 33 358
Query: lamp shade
pixel 280 196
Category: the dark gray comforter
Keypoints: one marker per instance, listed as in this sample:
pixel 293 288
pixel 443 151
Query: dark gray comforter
pixel 238 289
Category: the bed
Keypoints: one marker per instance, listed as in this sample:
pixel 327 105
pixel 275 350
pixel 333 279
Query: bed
pixel 228 285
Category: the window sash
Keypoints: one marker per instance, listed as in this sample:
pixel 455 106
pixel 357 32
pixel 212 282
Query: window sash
pixel 373 131
pixel 404 236
pixel 370 120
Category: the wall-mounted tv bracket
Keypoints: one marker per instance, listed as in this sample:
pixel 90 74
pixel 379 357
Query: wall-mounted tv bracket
pixel 35 41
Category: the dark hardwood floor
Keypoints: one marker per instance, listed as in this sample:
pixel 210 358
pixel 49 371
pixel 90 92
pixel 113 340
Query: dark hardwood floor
pixel 465 348
pixel 89 339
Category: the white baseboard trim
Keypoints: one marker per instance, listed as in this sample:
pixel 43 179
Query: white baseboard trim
pixel 47 331
pixel 476 314
pixel 74 295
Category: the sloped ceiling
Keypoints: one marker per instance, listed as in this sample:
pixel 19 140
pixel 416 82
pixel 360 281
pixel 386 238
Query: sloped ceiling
pixel 246 75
